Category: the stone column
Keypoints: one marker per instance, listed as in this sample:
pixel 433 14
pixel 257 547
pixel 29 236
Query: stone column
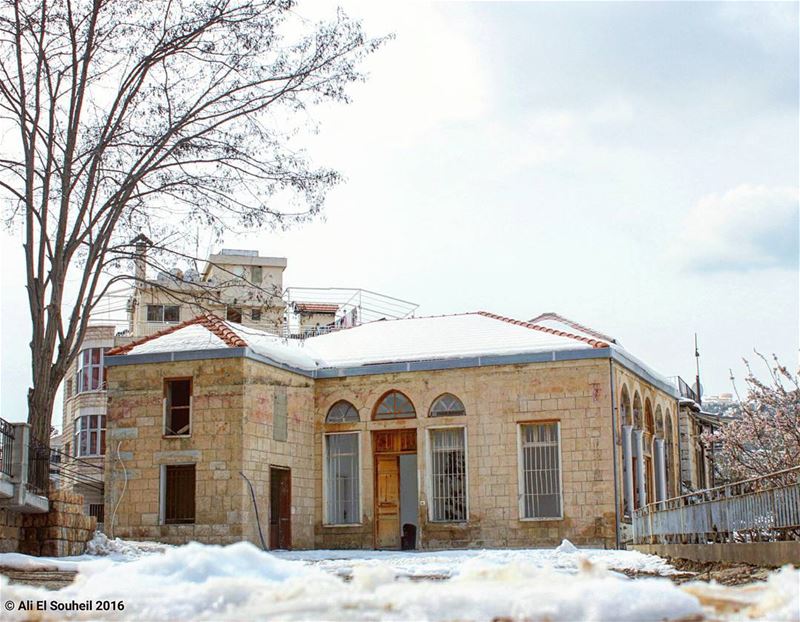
pixel 627 469
pixel 638 440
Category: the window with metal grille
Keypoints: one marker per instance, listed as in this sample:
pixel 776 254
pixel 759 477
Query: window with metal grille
pixel 178 407
pixel 97 510
pixel 540 470
pixel 341 483
pixel 447 405
pixel 342 412
pixel 394 405
pixel 448 475
pixel 90 435
pixel 179 494
pixel 90 370
pixel 280 415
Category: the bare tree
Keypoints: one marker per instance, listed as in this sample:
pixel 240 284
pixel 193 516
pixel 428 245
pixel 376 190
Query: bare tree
pixel 154 116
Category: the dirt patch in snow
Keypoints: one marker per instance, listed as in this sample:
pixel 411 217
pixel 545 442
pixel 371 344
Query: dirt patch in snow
pixel 50 579
pixel 724 574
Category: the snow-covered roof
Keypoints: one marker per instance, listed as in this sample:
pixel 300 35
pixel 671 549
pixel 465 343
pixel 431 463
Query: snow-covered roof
pixel 386 341
pixel 430 338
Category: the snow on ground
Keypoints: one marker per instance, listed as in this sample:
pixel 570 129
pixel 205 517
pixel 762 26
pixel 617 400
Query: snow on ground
pixel 100 546
pixel 565 558
pixel 241 582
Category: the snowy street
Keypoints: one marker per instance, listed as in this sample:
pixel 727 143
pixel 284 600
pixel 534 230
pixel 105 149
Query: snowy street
pixel 239 582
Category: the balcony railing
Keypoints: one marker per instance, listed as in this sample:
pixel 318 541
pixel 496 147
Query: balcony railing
pixel 6 447
pixel 760 509
pixel 684 389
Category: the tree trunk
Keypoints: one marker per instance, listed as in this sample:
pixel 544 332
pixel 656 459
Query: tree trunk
pixel 41 398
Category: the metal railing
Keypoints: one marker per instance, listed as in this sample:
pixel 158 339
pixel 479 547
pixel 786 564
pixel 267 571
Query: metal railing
pixel 754 510
pixel 6 446
pixel 684 389
pixel 38 467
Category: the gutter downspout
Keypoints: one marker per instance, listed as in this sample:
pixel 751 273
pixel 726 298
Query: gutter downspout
pixel 615 437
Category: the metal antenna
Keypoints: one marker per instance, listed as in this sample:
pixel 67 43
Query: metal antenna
pixel 697 365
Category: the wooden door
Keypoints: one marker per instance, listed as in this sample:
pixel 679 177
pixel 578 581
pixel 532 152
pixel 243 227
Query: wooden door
pixel 280 515
pixel 387 502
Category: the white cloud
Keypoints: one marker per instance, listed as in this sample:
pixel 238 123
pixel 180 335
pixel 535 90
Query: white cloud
pixel 747 228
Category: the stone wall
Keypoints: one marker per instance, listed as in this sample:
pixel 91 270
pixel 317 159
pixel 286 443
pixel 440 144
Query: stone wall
pixel 10 531
pixel 135 418
pixel 497 400
pixel 261 450
pixel 62 531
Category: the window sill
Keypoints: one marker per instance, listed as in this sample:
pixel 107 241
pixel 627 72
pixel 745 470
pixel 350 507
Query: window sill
pixel 176 436
pixel 541 520
pixel 462 523
pixel 343 525
pixel 88 456
pixel 88 392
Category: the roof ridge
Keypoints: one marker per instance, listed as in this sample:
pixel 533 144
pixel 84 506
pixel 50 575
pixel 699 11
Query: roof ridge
pixel 573 324
pixel 595 343
pixel 213 323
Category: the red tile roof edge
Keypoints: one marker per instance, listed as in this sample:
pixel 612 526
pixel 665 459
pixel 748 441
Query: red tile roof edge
pixel 595 343
pixel 214 324
pixel 550 315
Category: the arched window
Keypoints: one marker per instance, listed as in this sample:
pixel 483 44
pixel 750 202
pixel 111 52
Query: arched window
pixel 637 411
pixel 625 408
pixel 659 422
pixel 648 417
pixel 394 405
pixel 342 412
pixel 447 405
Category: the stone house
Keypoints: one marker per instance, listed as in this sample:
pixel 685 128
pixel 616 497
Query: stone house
pixel 453 431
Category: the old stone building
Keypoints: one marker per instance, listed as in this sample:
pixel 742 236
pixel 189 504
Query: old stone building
pixel 463 430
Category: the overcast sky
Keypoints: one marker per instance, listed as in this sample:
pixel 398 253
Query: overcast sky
pixel 631 166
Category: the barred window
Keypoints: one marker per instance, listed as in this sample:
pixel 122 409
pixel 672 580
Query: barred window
pixel 448 475
pixel 394 405
pixel 90 435
pixel 342 412
pixel 447 405
pixel 90 370
pixel 179 494
pixel 341 484
pixel 540 485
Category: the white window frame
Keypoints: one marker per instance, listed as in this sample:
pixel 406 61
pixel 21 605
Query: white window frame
pixel 163 314
pixel 191 410
pixel 429 478
pixel 79 388
pixel 77 431
pixel 325 522
pixel 521 474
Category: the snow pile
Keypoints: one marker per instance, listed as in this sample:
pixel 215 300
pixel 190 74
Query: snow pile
pixel 777 599
pixel 241 582
pixel 101 545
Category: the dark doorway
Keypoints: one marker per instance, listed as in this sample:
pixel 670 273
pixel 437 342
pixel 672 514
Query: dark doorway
pixel 280 508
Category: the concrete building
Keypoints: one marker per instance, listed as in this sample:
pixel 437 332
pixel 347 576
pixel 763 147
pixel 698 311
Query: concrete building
pixel 465 430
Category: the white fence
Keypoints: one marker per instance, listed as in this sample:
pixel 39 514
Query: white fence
pixel 760 509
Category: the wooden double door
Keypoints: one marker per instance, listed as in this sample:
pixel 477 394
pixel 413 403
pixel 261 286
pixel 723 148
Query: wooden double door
pixel 396 496
pixel 280 508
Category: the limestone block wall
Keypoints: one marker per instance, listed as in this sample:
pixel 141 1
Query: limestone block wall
pixel 135 419
pixel 10 531
pixel 62 531
pixel 261 450
pixel 497 400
